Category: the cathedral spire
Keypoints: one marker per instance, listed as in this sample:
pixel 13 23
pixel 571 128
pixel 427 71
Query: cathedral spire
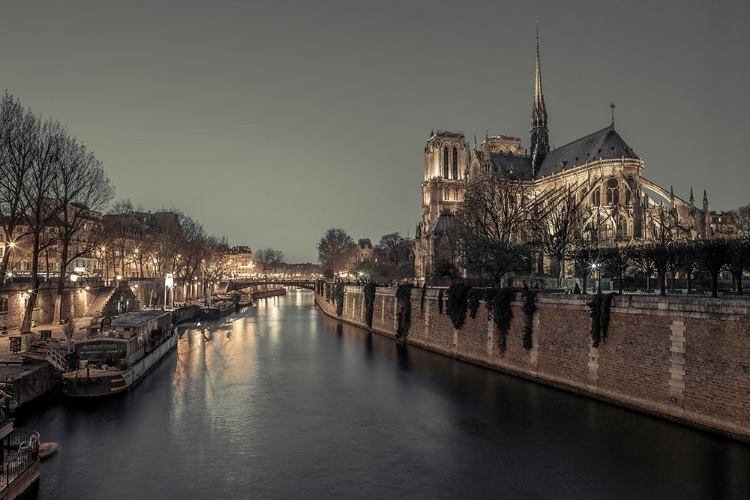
pixel 539 132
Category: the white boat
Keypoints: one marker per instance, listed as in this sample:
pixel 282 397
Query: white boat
pixel 113 359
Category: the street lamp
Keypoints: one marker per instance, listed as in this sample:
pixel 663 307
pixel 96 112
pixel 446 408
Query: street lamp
pixel 168 282
pixel 598 268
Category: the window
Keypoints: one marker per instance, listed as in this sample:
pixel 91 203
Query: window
pixel 446 169
pixel 596 197
pixel 455 163
pixel 613 193
pixel 3 304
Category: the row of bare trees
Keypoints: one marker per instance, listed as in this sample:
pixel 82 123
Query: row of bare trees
pixel 176 244
pixel 49 183
pixel 53 191
pixel 504 227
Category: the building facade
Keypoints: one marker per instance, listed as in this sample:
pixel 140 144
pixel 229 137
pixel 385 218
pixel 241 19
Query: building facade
pixel 602 173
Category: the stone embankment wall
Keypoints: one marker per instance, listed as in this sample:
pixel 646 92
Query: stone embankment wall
pixel 76 301
pixel 685 359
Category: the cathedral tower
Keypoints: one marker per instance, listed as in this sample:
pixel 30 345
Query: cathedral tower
pixel 539 133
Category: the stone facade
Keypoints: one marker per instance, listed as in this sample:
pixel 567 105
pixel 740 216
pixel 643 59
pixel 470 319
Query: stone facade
pixel 685 359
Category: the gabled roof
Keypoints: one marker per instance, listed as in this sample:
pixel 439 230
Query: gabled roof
pixel 605 144
pixel 442 225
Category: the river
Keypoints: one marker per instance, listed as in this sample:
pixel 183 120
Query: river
pixel 284 402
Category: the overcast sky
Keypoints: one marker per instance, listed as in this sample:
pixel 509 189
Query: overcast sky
pixel 270 122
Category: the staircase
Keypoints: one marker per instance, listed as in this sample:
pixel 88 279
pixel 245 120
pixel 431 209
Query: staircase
pixel 107 299
pixel 48 351
pixel 100 302
pixel 57 357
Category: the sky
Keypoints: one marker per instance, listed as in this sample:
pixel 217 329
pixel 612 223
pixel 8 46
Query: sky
pixel 270 122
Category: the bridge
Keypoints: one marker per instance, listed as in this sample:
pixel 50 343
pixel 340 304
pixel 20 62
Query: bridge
pixel 243 283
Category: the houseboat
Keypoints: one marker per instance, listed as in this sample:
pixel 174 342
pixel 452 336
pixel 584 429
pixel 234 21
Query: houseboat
pixel 119 354
pixel 217 309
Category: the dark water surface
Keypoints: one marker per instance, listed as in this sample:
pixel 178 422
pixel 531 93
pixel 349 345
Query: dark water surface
pixel 286 403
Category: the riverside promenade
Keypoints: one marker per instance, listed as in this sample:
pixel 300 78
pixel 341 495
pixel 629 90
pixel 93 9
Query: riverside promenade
pixel 27 380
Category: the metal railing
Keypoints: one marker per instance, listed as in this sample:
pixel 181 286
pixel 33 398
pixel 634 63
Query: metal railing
pixel 25 444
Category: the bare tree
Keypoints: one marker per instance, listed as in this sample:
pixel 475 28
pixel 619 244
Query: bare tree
pixel 491 225
pixel 558 220
pixel 17 131
pixel 617 260
pixel 42 209
pixel 81 191
pixel 195 246
pixel 713 255
pixel 268 260
pixel 335 249
pixel 121 230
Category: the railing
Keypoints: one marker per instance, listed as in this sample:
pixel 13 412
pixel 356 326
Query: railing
pixel 57 357
pixel 26 443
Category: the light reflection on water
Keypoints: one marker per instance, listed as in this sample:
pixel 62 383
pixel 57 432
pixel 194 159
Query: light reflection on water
pixel 284 402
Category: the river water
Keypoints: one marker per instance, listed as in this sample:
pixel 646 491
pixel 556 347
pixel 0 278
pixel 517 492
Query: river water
pixel 284 402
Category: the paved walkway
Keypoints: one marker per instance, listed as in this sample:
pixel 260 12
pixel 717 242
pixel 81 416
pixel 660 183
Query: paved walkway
pixel 7 357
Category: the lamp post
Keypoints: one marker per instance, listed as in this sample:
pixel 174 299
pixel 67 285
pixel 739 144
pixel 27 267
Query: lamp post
pixel 168 282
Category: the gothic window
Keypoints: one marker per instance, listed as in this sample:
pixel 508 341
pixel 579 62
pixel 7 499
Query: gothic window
pixel 455 194
pixel 446 170
pixel 613 193
pixel 623 230
pixel 627 196
pixel 596 197
pixel 3 304
pixel 455 163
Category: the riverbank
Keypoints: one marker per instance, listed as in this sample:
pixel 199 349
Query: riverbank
pixel 678 358
pixel 27 378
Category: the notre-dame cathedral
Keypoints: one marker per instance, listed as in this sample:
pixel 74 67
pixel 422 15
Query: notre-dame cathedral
pixel 601 170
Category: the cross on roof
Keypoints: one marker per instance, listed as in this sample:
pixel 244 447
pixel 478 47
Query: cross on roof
pixel 612 107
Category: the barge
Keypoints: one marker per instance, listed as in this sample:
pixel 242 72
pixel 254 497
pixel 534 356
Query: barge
pixel 122 351
pixel 217 310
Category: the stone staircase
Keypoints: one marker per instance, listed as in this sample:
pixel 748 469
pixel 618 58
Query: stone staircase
pixel 100 302
pixel 105 303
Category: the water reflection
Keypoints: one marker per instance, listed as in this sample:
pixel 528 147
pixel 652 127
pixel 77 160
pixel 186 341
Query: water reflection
pixel 286 403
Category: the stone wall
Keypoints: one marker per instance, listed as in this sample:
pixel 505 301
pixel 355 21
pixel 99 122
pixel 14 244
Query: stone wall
pixel 682 358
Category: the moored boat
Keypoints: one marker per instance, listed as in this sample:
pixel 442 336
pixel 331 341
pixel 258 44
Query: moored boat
pixel 111 360
pixel 217 310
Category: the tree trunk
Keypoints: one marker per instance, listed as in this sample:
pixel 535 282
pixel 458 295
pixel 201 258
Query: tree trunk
pixel 648 282
pixel 714 284
pixel 31 302
pixel 689 282
pixel 662 283
pixel 738 280
pixel 560 273
pixel 619 279
pixel 4 267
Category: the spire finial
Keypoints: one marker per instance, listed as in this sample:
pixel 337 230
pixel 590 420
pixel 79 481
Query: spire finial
pixel 612 107
pixel 539 133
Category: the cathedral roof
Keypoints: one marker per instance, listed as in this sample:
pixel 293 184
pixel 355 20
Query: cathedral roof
pixel 512 165
pixel 605 144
